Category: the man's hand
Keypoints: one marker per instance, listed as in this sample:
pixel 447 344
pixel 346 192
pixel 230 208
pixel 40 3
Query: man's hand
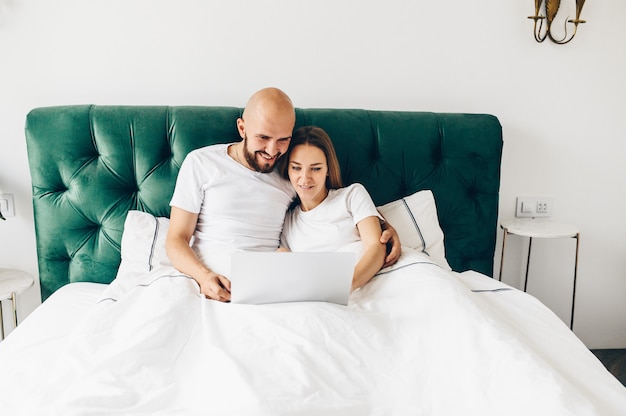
pixel 391 238
pixel 215 286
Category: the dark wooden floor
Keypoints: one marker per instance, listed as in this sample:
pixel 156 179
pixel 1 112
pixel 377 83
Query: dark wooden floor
pixel 614 361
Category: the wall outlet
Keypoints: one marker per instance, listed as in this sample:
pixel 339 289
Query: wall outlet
pixel 535 206
pixel 7 207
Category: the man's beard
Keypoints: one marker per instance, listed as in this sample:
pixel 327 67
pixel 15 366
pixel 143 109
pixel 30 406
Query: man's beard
pixel 252 161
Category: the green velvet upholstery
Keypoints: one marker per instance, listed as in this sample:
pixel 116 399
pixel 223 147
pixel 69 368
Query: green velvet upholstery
pixel 91 164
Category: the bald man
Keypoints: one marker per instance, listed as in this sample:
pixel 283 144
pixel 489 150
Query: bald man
pixel 229 198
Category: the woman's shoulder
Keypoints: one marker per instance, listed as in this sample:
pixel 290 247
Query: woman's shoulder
pixel 351 194
pixel 347 191
pixel 355 188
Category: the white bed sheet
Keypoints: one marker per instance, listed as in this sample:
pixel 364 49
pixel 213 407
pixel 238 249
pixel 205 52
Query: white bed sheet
pixel 415 341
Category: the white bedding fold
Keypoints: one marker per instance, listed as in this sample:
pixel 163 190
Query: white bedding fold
pixel 414 341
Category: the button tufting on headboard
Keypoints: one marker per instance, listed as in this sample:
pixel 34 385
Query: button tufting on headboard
pixel 90 165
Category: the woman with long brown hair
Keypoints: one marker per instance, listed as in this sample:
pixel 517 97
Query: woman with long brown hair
pixel 327 216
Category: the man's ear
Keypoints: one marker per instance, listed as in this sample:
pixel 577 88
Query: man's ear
pixel 241 128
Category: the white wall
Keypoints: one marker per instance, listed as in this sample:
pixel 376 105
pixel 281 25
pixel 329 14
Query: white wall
pixel 561 107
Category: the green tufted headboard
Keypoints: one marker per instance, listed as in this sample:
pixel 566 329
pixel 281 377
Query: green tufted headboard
pixel 91 164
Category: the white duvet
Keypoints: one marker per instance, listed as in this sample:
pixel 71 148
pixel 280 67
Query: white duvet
pixel 414 341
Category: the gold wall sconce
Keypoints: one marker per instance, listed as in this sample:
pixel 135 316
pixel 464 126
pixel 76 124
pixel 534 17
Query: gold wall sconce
pixel 543 30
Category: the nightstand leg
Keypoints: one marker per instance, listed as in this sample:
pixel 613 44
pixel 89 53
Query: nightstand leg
pixel 14 304
pixel 1 321
pixel 571 325
pixel 530 244
pixel 505 232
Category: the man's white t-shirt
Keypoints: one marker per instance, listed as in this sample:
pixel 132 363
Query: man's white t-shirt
pixel 238 209
pixel 330 226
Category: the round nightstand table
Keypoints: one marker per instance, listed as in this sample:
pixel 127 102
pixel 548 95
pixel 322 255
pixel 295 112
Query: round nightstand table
pixel 540 228
pixel 12 282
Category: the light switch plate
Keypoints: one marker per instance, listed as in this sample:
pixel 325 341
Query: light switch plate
pixel 534 207
pixel 7 206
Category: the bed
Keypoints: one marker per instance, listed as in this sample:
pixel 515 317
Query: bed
pixel 432 335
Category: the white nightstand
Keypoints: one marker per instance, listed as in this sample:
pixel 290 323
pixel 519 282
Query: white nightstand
pixel 12 283
pixel 540 228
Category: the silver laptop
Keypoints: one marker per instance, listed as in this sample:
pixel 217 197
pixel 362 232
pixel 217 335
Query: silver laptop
pixel 273 277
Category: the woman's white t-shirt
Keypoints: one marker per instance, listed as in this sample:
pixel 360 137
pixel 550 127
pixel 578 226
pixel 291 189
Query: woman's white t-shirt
pixel 330 226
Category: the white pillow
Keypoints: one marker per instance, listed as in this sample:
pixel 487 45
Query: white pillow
pixel 143 244
pixel 415 219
